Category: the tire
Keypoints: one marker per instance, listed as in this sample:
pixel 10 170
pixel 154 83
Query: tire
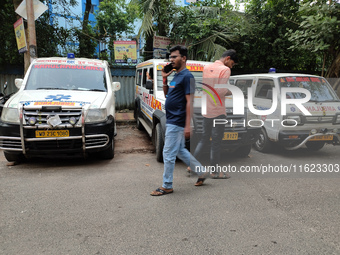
pixel 314 146
pixel 137 116
pixel 17 157
pixel 263 144
pixel 159 143
pixel 109 153
pixel 243 151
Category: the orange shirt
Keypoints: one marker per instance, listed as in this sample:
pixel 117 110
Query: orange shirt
pixel 215 73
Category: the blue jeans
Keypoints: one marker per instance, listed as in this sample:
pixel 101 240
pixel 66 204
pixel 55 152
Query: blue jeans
pixel 216 135
pixel 174 145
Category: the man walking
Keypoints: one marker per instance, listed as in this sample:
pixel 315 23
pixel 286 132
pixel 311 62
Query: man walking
pixel 179 98
pixel 216 73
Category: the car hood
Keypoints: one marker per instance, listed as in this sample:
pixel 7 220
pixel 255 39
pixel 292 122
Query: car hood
pixel 64 98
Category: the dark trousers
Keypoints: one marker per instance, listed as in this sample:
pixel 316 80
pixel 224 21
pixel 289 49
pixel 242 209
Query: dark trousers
pixel 216 135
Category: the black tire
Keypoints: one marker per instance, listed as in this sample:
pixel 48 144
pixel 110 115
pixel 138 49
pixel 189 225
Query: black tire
pixel 315 146
pixel 14 157
pixel 263 144
pixel 243 151
pixel 159 143
pixel 137 114
pixel 109 153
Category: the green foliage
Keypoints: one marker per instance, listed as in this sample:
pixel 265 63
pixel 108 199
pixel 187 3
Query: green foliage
pixel 114 19
pixel 208 28
pixel 48 37
pixel 156 18
pixel 319 32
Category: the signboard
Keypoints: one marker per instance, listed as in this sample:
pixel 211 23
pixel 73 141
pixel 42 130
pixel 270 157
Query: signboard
pixel 20 35
pixel 125 51
pixel 189 1
pixel 160 44
pixel 38 7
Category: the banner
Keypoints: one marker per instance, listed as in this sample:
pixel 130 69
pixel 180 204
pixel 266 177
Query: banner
pixel 125 51
pixel 20 35
pixel 160 44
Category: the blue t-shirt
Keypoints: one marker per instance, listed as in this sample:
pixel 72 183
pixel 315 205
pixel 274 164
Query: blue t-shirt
pixel 182 84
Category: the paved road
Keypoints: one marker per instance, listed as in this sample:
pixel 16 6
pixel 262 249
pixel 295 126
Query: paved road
pixel 80 206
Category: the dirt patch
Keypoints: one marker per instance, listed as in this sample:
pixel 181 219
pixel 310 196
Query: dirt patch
pixel 129 139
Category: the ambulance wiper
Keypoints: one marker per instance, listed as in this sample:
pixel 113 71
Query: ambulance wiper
pixel 51 88
pixel 101 90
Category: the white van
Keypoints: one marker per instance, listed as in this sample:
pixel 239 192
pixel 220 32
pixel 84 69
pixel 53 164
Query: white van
pixel 295 127
pixel 150 109
pixel 64 106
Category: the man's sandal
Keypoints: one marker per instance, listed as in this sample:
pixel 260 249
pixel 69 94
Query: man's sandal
pixel 201 179
pixel 161 192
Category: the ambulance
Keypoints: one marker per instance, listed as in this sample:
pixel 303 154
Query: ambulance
pixel 150 109
pixel 64 107
pixel 294 110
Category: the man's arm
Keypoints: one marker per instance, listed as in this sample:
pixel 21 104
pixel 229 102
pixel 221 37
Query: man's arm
pixel 187 128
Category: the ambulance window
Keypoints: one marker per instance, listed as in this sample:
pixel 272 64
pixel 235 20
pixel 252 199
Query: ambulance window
pixel 244 84
pixel 139 77
pixel 144 76
pixel 263 86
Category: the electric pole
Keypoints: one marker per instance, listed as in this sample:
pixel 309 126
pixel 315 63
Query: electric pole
pixel 31 30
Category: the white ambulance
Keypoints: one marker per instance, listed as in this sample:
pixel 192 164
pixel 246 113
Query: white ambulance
pixel 64 106
pixel 290 118
pixel 150 109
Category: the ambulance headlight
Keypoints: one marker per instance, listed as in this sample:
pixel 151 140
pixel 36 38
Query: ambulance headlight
pixel 32 121
pixel 96 115
pixel 292 120
pixel 10 115
pixel 338 119
pixel 73 121
pixel 313 131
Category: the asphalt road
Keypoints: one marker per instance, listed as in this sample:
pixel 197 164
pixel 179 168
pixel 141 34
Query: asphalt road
pixel 78 206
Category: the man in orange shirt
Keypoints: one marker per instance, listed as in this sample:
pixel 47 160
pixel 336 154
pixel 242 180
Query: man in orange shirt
pixel 215 73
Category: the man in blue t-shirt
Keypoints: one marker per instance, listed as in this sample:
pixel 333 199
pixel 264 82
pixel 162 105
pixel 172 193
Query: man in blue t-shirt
pixel 179 98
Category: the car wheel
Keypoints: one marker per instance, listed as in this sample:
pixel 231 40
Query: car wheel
pixel 263 144
pixel 109 153
pixel 17 157
pixel 159 143
pixel 243 151
pixel 137 116
pixel 314 146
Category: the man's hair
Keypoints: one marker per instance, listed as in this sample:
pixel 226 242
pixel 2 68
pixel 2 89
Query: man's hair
pixel 232 54
pixel 182 50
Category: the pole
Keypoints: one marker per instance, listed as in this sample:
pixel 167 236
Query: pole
pixel 31 30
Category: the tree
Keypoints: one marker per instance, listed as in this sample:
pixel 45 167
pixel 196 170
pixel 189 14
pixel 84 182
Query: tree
pixel 319 32
pixel 114 19
pixel 156 19
pixel 48 36
pixel 208 28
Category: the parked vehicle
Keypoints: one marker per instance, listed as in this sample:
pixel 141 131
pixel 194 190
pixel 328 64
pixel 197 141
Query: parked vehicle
pixel 64 106
pixel 290 124
pixel 150 110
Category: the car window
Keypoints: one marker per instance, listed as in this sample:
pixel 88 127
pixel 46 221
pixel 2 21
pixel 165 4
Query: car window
pixel 244 84
pixel 197 75
pixel 139 77
pixel 319 88
pixel 263 87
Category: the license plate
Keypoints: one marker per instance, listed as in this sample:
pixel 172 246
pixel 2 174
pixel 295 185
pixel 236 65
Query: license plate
pixel 230 136
pixel 322 138
pixel 51 133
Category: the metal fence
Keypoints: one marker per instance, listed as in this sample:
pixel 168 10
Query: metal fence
pixel 125 97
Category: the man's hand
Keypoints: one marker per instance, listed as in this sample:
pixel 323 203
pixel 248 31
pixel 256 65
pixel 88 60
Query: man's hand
pixel 187 132
pixel 164 74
